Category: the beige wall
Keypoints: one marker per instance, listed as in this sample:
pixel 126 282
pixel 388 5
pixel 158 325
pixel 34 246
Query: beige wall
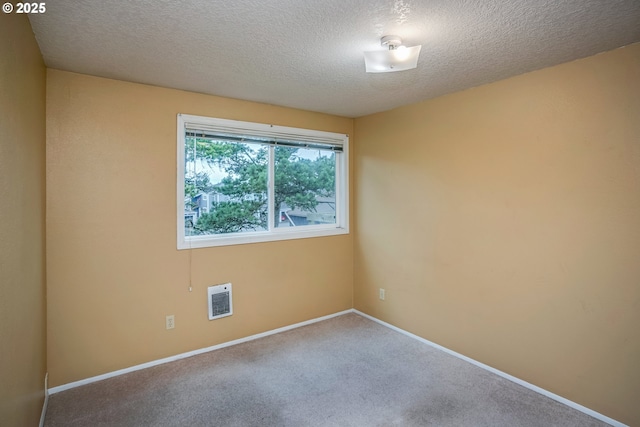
pixel 22 262
pixel 504 223
pixel 114 271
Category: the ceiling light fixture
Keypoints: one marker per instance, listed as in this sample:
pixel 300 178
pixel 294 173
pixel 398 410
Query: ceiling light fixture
pixel 396 58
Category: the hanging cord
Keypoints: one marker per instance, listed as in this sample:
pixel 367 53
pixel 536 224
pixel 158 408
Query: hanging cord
pixel 190 266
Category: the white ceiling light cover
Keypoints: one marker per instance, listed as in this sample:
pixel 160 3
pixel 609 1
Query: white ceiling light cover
pixel 386 61
pixel 395 58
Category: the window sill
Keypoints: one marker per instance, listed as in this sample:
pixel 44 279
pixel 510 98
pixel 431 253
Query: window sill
pixel 257 237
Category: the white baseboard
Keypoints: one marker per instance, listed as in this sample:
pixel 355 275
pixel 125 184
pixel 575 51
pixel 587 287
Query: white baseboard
pixel 189 354
pixel 523 383
pixel 46 399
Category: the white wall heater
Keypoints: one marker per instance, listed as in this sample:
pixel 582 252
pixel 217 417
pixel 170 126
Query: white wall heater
pixel 220 301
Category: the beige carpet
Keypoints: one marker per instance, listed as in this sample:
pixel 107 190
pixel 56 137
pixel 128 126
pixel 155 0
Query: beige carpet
pixel 345 371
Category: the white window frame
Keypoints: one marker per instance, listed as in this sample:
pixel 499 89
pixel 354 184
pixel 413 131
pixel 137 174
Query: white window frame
pixel 273 233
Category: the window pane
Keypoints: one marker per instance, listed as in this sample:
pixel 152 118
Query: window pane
pixel 225 187
pixel 305 187
pixel 242 182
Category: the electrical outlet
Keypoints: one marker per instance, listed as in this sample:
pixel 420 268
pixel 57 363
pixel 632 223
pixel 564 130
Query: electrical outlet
pixel 171 322
pixel 382 294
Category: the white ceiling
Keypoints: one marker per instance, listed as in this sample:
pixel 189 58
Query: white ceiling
pixel 309 54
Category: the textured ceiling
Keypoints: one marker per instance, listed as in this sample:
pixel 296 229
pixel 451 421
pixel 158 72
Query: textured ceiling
pixel 309 54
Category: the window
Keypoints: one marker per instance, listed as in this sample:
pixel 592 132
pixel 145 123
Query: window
pixel 241 182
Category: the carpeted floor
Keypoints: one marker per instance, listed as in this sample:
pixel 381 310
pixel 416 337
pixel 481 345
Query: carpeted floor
pixel 345 371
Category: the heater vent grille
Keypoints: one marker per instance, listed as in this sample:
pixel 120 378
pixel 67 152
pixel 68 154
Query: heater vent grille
pixel 220 301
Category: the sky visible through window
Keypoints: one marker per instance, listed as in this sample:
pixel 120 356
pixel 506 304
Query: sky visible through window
pixel 216 174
